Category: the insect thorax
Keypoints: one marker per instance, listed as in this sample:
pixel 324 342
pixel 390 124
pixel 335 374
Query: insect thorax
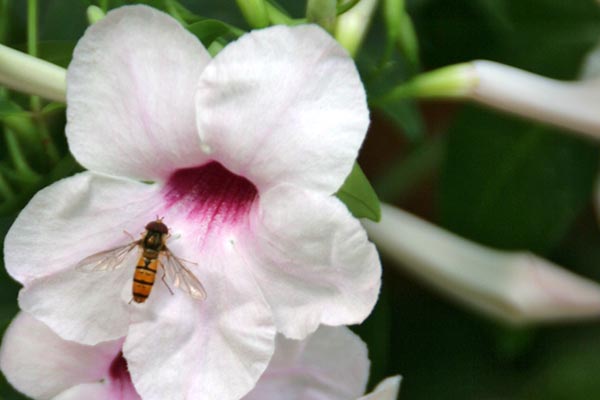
pixel 153 240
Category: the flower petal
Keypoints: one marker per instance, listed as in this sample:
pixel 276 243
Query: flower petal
pixel 215 349
pixel 284 104
pixel 571 105
pixel 130 95
pixel 40 364
pixel 388 389
pixel 313 261
pixel 72 219
pixel 89 391
pixel 88 308
pixel 331 364
pixel 63 224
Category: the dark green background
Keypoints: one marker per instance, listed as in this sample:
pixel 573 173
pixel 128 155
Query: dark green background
pixel 498 180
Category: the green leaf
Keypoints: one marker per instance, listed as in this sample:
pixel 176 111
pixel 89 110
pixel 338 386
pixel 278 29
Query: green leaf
pixel 180 11
pixel 547 37
pixel 10 109
pixel 345 6
pixel 404 114
pixel 380 78
pixel 359 196
pixel 58 52
pixel 514 184
pixel 209 30
pixel 376 332
pixel 568 369
pixel 53 107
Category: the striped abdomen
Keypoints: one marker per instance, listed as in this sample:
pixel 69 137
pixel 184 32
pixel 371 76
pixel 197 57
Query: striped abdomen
pixel 143 279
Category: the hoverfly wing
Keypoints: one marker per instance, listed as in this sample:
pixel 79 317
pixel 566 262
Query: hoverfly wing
pixel 107 260
pixel 180 276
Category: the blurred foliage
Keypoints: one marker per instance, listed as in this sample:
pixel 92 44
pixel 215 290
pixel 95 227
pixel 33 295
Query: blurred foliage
pixel 359 196
pixel 502 181
pixel 513 184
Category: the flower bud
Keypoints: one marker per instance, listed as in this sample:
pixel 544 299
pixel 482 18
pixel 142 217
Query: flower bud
pixel 322 12
pixel 94 14
pixel 352 26
pixel 32 75
pixel 255 12
pixel 513 287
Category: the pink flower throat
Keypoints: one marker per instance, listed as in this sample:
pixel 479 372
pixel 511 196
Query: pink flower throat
pixel 120 382
pixel 211 195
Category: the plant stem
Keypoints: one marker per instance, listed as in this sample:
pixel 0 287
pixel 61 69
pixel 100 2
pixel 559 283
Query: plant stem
pixel 26 173
pixel 32 41
pixel 346 6
pixel 32 49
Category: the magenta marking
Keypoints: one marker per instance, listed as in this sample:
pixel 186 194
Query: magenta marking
pixel 121 385
pixel 211 195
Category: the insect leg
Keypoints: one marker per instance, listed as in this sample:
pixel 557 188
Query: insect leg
pixel 185 261
pixel 165 282
pixel 130 235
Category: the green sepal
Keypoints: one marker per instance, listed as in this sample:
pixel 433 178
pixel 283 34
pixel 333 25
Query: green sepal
pixel 358 195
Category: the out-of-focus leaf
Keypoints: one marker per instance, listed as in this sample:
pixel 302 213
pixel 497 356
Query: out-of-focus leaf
pixel 512 342
pixel 379 77
pixel 58 52
pixel 404 113
pixel 8 287
pixel 53 107
pixel 10 109
pixel 400 177
pixel 62 20
pixel 208 30
pixel 550 37
pixel 568 371
pixel 544 36
pixel 512 184
pixel 376 331
pixel 182 12
pixel 359 196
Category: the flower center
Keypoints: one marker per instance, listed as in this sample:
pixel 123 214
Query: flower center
pixel 211 195
pixel 121 385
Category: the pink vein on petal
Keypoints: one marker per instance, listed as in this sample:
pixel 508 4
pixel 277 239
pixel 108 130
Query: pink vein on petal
pixel 211 196
pixel 120 382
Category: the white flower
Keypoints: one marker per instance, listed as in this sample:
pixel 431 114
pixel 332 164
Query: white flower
pixel 29 74
pixel 514 287
pixel 571 105
pixel 245 152
pixel 38 363
pixel 331 364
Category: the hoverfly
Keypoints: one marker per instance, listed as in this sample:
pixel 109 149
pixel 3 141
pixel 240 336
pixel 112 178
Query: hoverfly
pixel 154 253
